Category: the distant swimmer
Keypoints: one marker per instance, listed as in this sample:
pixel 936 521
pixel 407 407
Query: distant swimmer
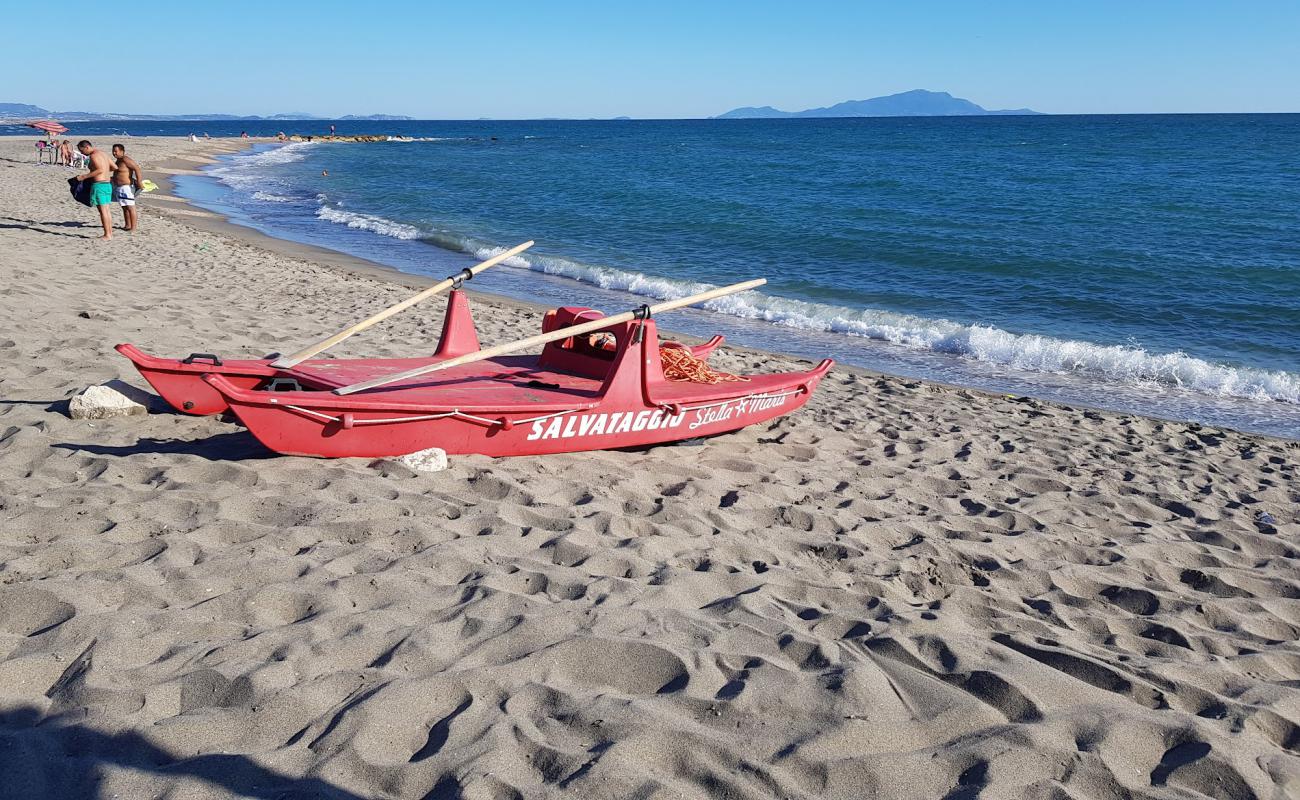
pixel 101 189
pixel 325 173
pixel 127 183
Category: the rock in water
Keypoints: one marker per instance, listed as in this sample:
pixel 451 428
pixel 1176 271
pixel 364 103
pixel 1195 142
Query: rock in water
pixel 113 399
pixel 432 460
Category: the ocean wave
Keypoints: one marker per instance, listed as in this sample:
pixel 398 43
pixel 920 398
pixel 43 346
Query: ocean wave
pixel 368 222
pixel 1126 364
pixel 243 171
pixel 1027 352
pixel 267 197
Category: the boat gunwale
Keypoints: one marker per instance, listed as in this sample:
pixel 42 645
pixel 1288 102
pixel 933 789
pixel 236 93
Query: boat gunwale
pixel 709 393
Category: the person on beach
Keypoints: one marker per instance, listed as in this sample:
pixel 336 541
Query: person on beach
pixel 65 150
pixel 126 185
pixel 101 189
pixel 331 131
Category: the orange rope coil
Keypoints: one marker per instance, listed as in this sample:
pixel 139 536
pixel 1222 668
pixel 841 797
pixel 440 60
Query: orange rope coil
pixel 680 365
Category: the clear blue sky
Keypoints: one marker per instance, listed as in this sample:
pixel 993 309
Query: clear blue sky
pixel 509 59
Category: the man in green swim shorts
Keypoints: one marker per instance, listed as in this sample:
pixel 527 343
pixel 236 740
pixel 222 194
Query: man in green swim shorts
pixel 101 189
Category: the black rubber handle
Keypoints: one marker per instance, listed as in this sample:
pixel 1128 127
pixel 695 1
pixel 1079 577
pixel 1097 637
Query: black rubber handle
pixel 192 357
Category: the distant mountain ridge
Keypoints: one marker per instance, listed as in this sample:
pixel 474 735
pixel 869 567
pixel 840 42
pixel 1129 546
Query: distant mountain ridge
pixel 916 103
pixel 24 111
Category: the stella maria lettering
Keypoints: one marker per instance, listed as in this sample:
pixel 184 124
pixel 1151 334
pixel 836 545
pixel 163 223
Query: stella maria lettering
pixel 734 408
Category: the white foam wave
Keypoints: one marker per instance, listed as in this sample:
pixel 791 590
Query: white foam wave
pixel 267 197
pixel 244 171
pixel 368 222
pixel 1029 352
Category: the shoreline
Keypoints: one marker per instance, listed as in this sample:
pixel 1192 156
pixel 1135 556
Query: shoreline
pixel 898 587
pixel 360 265
pixel 214 222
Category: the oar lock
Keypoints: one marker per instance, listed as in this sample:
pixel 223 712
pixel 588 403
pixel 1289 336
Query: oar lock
pixel 459 279
pixel 642 314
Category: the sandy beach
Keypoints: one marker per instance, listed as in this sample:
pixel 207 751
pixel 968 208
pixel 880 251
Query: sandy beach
pixel 905 590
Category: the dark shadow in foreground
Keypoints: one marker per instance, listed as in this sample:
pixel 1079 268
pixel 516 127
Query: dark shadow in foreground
pixel 235 446
pixel 53 757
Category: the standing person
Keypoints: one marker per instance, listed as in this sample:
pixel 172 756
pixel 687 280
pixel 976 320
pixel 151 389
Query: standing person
pixel 331 131
pixel 126 185
pixel 101 190
pixel 65 149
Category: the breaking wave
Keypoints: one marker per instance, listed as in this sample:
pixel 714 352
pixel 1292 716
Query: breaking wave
pixel 1029 352
pixel 243 172
pixel 368 222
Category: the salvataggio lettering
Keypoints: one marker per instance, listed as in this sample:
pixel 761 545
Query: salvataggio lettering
pixel 581 425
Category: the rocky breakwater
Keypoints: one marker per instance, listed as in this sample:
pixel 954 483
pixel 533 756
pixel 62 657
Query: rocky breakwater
pixel 367 137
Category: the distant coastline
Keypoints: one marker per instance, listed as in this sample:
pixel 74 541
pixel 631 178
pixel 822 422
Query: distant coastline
pixel 21 112
pixel 914 103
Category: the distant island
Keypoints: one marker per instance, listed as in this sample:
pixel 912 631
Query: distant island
pixel 916 103
pixel 23 112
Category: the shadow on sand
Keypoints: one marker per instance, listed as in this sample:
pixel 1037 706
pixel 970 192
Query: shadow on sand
pixel 234 446
pixel 55 756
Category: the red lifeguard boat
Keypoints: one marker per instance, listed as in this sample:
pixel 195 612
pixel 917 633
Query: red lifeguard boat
pixel 599 383
pixel 180 382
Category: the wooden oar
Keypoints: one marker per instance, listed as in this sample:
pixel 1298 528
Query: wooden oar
pixel 562 333
pixel 465 274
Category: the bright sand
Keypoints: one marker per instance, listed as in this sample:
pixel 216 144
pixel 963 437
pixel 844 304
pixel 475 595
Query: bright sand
pixel 903 591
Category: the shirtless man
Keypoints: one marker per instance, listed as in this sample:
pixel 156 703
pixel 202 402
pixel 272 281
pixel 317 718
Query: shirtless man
pixel 101 190
pixel 126 184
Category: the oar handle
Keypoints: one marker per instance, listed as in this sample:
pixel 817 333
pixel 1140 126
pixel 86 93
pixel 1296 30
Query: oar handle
pixel 544 338
pixel 438 288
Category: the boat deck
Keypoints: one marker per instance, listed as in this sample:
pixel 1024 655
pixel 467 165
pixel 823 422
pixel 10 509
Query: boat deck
pixel 505 381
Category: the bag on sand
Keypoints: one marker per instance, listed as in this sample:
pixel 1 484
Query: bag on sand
pixel 80 191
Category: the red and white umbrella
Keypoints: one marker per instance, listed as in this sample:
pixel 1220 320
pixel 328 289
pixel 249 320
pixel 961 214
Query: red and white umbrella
pixel 49 126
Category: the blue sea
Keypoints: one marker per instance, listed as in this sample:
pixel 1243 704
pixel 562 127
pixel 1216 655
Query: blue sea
pixel 1137 263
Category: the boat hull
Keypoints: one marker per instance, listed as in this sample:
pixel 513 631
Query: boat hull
pixel 180 381
pixel 333 428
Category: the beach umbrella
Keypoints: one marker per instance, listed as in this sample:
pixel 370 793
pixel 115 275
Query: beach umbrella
pixel 49 126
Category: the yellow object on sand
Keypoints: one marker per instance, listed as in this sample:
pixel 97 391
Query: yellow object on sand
pixel 148 185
